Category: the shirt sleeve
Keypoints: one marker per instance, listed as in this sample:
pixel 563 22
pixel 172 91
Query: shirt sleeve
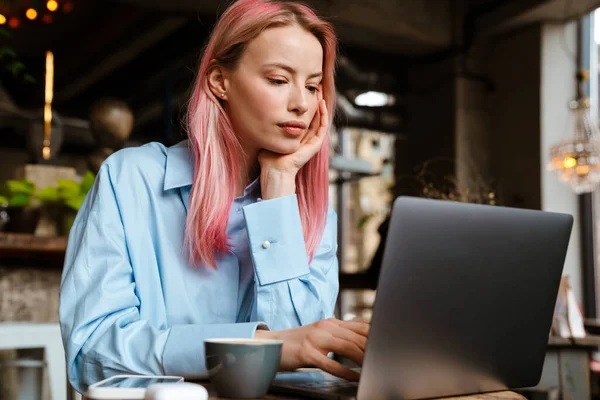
pixel 290 292
pixel 102 331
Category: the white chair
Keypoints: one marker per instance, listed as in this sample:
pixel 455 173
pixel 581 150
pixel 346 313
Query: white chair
pixel 26 335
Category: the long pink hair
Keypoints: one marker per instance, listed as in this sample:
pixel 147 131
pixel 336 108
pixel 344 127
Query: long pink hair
pixel 216 148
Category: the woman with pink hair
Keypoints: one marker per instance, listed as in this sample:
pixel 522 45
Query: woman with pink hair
pixel 226 234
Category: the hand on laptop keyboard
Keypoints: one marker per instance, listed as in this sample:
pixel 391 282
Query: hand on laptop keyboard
pixel 309 345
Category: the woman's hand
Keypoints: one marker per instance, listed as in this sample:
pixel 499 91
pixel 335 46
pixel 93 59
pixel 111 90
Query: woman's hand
pixel 278 171
pixel 308 346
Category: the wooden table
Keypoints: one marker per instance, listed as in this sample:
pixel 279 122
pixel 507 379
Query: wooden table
pixel 567 366
pixel 506 395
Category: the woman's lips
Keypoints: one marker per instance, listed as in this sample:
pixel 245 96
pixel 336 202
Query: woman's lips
pixel 292 130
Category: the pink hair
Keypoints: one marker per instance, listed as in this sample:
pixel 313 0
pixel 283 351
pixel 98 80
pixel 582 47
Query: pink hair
pixel 216 148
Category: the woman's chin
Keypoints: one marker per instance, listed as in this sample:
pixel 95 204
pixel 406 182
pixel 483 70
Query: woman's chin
pixel 283 147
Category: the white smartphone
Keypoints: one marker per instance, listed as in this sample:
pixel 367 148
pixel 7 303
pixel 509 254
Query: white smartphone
pixel 126 387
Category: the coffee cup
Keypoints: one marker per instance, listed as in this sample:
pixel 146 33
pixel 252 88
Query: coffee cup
pixel 242 368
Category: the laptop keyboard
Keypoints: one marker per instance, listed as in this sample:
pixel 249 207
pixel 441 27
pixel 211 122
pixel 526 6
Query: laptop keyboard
pixel 314 384
pixel 327 385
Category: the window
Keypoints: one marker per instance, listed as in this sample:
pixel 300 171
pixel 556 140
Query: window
pixel 362 204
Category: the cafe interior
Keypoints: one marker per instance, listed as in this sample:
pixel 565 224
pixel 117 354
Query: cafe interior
pixel 475 101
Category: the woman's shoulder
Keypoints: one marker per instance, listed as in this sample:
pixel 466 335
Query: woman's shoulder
pixel 153 153
pixel 132 163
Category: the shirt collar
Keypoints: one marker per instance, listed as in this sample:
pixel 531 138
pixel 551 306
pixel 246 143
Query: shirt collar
pixel 179 170
pixel 253 187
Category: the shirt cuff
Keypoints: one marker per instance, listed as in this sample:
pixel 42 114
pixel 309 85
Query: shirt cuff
pixel 276 239
pixel 184 350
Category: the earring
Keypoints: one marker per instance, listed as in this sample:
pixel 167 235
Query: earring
pixel 223 94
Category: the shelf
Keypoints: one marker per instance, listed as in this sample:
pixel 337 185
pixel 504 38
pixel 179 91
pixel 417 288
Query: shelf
pixel 18 247
pixel 353 165
pixel 353 169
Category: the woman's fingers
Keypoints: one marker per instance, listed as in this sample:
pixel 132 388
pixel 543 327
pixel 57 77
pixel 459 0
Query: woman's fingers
pixel 348 349
pixel 359 327
pixel 312 129
pixel 342 341
pixel 324 117
pixel 316 140
pixel 351 336
pixel 319 124
pixel 312 144
pixel 315 123
pixel 333 367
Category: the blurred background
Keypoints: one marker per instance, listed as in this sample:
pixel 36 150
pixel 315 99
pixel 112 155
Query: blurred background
pixel 482 101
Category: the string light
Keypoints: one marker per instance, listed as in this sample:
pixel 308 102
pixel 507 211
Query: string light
pixel 44 10
pixel 52 5
pixel 31 14
pixel 14 22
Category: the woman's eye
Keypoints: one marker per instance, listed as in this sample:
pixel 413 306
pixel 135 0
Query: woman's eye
pixel 277 81
pixel 312 89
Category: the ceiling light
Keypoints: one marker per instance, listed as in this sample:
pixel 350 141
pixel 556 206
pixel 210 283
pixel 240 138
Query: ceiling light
pixel 576 159
pixel 374 99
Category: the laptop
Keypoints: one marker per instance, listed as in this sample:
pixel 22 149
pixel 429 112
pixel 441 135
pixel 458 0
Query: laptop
pixel 464 304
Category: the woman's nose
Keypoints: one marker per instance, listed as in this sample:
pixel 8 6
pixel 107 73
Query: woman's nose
pixel 298 102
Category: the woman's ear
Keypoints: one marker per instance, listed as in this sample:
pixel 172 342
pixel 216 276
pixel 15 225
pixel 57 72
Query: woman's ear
pixel 217 82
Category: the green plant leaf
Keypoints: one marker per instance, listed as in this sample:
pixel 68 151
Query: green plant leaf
pixel 3 201
pixel 29 78
pixel 67 189
pixel 15 66
pixel 7 52
pixel 75 202
pixel 19 200
pixel 87 182
pixel 23 186
pixel 49 194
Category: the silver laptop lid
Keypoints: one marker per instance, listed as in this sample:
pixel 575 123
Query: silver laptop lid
pixel 465 299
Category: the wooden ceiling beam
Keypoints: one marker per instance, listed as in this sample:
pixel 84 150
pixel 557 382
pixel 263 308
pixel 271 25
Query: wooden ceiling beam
pixel 121 57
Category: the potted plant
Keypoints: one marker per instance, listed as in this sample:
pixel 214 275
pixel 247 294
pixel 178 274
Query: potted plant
pixel 21 214
pixel 64 200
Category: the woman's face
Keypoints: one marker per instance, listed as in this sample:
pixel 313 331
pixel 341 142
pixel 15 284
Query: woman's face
pixel 271 96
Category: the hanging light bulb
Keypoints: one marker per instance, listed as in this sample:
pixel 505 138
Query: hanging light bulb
pixel 52 5
pixel 48 94
pixel 2 19
pixel 576 160
pixel 31 13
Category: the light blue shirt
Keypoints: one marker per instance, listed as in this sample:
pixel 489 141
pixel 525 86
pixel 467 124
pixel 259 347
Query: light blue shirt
pixel 130 301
